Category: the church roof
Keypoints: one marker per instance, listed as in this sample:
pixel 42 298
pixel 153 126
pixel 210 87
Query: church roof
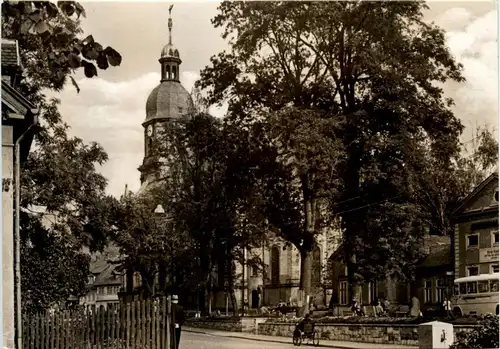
pixel 168 100
pixel 169 51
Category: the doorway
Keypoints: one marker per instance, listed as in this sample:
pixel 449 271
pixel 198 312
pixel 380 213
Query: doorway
pixel 255 299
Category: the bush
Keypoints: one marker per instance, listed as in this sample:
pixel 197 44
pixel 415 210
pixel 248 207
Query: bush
pixel 485 336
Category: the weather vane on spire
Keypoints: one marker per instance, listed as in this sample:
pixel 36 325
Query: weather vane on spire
pixel 170 24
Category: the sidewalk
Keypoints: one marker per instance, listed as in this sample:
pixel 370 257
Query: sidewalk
pixel 286 340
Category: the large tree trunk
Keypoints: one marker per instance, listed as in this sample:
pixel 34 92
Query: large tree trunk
pixel 305 281
pixel 350 219
pixel 306 257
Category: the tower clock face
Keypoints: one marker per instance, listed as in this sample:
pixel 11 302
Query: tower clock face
pixel 150 130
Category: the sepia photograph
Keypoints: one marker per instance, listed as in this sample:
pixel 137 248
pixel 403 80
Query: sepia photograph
pixel 250 174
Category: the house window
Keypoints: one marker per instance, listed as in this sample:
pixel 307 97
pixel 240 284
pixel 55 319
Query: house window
pixel 345 271
pixel 343 292
pixel 275 266
pixel 494 268
pixel 441 290
pixel 255 271
pixel 494 238
pixel 472 270
pixel 427 291
pixel 472 240
pixel 372 291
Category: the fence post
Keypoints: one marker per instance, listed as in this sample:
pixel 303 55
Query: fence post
pixel 153 324
pixel 169 322
pixel 127 328
pixel 142 321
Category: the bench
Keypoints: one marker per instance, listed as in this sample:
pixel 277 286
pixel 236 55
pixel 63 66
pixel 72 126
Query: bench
pixel 370 311
pixel 347 313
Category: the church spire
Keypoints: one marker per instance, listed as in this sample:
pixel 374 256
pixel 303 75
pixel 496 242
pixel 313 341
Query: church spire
pixel 170 58
pixel 170 24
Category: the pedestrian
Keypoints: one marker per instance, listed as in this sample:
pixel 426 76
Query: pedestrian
pixel 447 307
pixel 379 310
pixel 178 319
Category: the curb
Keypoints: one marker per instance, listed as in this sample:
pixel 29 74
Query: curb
pixel 268 340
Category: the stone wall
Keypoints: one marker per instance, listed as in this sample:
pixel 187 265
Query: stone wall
pixel 368 333
pixel 246 324
pixel 232 324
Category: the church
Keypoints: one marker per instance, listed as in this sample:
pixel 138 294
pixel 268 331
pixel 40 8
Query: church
pixel 169 102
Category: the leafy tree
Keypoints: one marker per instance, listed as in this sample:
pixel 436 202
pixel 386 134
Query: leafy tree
pixel 373 68
pixel 152 245
pixel 442 188
pixel 60 176
pixel 60 173
pixel 49 42
pixel 51 268
pixel 206 185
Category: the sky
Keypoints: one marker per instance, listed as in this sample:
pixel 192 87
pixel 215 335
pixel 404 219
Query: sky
pixel 110 108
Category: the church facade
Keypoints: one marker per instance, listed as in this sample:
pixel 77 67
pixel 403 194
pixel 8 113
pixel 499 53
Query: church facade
pixel 170 102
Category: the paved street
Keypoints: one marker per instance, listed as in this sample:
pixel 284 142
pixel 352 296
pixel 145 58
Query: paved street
pixel 203 338
pixel 191 340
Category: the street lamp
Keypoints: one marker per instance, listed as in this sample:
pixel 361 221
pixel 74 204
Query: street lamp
pixel 159 209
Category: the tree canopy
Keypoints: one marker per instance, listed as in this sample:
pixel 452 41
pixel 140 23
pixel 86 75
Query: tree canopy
pixel 50 43
pixel 374 71
pixel 63 199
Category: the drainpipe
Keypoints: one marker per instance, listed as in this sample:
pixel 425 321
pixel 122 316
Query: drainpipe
pixel 17 240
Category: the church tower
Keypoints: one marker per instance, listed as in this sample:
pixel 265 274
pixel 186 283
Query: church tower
pixel 168 102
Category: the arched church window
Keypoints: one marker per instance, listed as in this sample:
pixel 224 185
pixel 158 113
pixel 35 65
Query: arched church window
pixel 316 267
pixel 150 146
pixel 275 265
pixel 174 73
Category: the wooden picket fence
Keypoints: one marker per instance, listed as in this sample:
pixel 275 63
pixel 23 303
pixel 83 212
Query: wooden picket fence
pixel 135 325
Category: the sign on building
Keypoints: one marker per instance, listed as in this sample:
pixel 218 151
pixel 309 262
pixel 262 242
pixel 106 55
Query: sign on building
pixel 488 255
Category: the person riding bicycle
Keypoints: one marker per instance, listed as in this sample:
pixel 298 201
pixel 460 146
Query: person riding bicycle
pixel 307 320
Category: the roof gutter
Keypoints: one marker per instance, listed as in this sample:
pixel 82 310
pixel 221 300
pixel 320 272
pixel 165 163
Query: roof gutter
pixel 17 240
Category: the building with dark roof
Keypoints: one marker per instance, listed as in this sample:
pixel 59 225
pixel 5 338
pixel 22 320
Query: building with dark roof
pixel 475 242
pixel 105 280
pixel 433 282
pixel 18 118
